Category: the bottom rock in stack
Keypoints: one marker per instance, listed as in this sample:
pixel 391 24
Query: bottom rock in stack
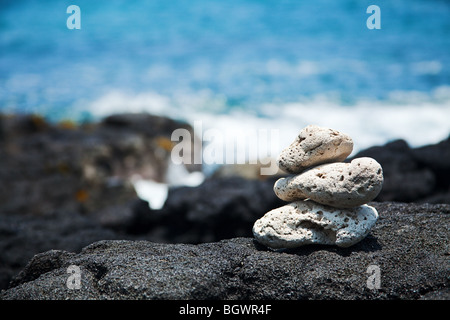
pixel 307 222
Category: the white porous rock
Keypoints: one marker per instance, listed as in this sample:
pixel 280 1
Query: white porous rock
pixel 306 222
pixel 313 146
pixel 341 185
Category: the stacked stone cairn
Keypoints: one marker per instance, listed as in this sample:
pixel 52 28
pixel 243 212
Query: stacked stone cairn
pixel 328 197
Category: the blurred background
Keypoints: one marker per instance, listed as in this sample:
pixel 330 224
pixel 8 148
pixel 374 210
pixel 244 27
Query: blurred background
pixel 260 64
pixel 86 116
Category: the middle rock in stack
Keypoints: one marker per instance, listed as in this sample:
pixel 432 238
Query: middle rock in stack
pixel 329 197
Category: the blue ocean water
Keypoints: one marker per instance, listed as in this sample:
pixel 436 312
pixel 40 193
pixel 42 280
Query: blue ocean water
pixel 237 63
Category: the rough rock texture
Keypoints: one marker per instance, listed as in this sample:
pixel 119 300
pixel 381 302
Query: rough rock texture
pixel 190 215
pixel 306 222
pixel 341 185
pixel 21 237
pixel 313 146
pixel 409 244
pixel 64 186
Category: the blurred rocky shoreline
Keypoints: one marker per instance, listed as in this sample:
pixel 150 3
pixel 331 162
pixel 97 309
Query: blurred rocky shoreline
pixel 65 186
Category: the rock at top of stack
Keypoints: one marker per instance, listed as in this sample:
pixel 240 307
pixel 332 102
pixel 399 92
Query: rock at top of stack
pixel 329 197
pixel 313 146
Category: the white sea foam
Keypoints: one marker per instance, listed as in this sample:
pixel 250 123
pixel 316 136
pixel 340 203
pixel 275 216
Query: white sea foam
pixel 418 118
pixel 156 193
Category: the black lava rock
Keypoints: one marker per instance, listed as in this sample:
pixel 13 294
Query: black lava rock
pixel 408 246
pixel 413 174
pixel 220 208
